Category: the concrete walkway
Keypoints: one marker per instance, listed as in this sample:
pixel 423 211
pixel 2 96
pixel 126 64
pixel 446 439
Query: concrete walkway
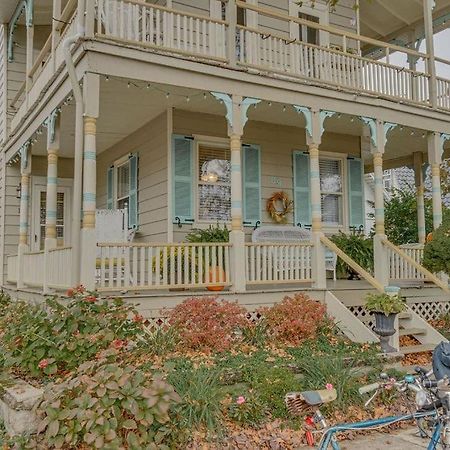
pixel 403 440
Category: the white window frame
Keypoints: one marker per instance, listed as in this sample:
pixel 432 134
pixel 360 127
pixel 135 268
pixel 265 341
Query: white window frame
pixel 215 11
pixel 220 143
pixel 118 163
pixel 320 11
pixel 342 158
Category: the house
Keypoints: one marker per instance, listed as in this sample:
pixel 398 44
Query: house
pixel 180 114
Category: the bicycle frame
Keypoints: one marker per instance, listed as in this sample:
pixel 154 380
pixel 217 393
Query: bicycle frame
pixel 384 421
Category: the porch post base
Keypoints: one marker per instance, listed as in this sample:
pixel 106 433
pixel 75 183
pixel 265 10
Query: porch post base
pixel 318 262
pixel 49 243
pixel 381 260
pixel 88 258
pixel 237 263
pixel 20 273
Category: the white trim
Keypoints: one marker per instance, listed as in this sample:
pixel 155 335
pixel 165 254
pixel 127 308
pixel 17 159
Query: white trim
pixel 39 184
pixel 320 11
pixel 169 118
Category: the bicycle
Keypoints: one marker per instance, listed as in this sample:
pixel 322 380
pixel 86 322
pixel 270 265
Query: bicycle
pixel 432 405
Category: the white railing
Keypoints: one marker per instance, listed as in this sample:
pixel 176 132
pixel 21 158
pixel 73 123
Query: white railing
pixel 33 268
pixel 326 65
pixel 156 26
pixel 443 93
pixel 12 268
pixel 401 269
pixel 59 268
pixel 162 266
pixel 268 263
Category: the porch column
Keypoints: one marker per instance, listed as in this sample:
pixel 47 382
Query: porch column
pixel 420 199
pixel 88 238
pixel 435 159
pixel 428 6
pixel 25 172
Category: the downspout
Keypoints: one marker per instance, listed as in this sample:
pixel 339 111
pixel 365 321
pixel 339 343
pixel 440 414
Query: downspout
pixel 79 143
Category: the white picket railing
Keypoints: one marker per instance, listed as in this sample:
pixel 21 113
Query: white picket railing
pixel 162 266
pixel 156 26
pixel 33 268
pixel 12 269
pixel 401 269
pixel 443 93
pixel 59 268
pixel 268 263
pixel 299 59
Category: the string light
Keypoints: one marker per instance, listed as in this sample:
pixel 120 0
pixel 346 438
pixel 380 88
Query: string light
pixel 284 108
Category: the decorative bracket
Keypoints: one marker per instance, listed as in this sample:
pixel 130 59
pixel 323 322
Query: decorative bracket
pixel 228 102
pixel 24 5
pixel 371 123
pixel 308 118
pixel 246 103
pixel 324 114
pixel 24 155
pixel 50 123
pixel 388 126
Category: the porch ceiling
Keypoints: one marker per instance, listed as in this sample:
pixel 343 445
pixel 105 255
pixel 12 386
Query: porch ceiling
pixel 124 110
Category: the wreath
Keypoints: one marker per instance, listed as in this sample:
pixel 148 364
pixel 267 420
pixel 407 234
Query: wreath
pixel 279 206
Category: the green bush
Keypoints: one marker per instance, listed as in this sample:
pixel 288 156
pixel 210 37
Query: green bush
pixel 59 336
pixel 210 234
pixel 437 251
pixel 106 406
pixel 384 303
pixel 356 246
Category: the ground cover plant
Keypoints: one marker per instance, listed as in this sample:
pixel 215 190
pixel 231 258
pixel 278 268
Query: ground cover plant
pixel 207 376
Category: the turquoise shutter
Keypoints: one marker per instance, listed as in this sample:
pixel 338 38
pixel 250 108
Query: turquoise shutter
pixel 110 188
pixel 133 193
pixel 302 200
pixel 182 180
pixel 251 181
pixel 355 193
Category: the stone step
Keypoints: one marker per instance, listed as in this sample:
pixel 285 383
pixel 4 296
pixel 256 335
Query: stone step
pixel 411 331
pixel 405 315
pixel 417 349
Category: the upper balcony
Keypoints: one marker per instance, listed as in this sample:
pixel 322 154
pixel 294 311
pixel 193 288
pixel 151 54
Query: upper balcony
pixel 262 40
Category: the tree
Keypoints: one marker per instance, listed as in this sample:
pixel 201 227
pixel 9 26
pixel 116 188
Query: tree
pixel 445 177
pixel 437 250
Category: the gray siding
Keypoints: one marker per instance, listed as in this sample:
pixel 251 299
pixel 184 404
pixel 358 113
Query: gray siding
pixel 150 142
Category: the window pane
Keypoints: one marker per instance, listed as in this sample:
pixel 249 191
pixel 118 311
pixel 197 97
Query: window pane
pixel 214 202
pixel 123 180
pixel 330 175
pixel 331 209
pixel 214 165
pixel 122 203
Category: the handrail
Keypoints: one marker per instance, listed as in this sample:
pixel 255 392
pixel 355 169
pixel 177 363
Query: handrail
pixel 40 58
pixel 333 50
pixel 19 93
pixel 66 14
pixel 56 249
pixel 330 29
pixel 354 265
pixel 279 244
pixel 163 244
pixel 417 266
pixel 176 11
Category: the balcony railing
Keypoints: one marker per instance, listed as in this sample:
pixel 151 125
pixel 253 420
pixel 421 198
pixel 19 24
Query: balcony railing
pixel 169 31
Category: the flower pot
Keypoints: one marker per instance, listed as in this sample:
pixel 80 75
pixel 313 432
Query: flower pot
pixel 217 273
pixel 385 328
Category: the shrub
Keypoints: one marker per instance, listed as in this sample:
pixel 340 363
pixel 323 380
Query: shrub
pixel 45 339
pixel 210 234
pixel 106 406
pixel 208 324
pixel 294 319
pixel 384 303
pixel 437 250
pixel 201 407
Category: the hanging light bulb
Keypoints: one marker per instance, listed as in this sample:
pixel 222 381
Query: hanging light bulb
pixel 188 99
pixel 284 108
pixel 148 86
pixel 128 84
pixel 167 95
pixel 204 96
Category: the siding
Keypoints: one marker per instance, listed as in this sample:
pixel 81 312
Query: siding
pixel 3 65
pixel 277 143
pixel 150 142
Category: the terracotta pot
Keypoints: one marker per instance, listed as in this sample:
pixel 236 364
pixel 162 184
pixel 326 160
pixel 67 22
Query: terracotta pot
pixel 219 274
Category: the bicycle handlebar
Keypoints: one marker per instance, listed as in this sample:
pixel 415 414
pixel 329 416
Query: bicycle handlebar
pixel 369 388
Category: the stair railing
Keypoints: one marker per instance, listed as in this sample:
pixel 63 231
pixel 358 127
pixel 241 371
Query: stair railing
pixel 353 264
pixel 428 275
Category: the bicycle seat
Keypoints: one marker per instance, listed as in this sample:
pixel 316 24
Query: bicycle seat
pixel 298 402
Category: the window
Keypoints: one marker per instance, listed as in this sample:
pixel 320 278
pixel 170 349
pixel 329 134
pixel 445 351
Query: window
pixel 60 206
pixel 331 189
pixel 123 185
pixel 308 34
pixel 214 184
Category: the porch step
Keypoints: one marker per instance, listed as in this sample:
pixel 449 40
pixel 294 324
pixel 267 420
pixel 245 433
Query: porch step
pixel 411 331
pixel 405 315
pixel 417 349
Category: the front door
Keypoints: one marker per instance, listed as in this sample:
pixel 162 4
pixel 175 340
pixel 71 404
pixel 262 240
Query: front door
pixel 63 213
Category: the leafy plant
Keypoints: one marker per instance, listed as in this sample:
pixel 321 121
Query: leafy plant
pixel 58 337
pixel 107 406
pixel 201 407
pixel 207 323
pixel 384 303
pixel 356 246
pixel 247 410
pixel 256 333
pixel 294 319
pixel 210 234
pixel 161 341
pixel 437 250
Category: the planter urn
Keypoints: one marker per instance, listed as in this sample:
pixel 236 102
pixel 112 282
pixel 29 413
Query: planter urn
pixel 385 328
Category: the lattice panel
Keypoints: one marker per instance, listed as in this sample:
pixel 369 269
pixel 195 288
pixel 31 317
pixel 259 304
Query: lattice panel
pixel 360 312
pixel 431 310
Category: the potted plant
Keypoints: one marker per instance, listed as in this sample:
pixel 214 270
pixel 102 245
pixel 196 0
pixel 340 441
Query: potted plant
pixel 385 308
pixel 214 233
